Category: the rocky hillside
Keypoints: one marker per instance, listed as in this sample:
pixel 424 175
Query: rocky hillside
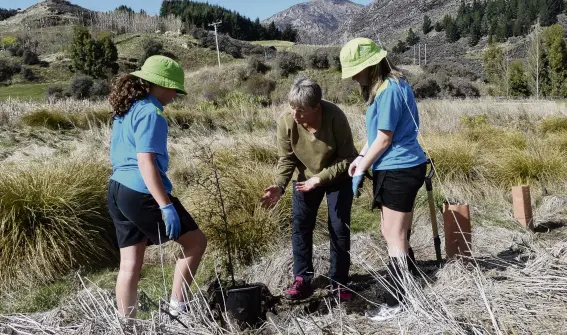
pixel 389 20
pixel 49 13
pixel 317 20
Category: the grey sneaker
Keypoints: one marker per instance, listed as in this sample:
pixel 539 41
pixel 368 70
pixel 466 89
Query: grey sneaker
pixel 176 307
pixel 384 312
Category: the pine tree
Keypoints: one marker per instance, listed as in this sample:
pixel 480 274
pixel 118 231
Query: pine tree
pixel 93 57
pixel 518 80
pixel 110 53
pixel 412 38
pixel 522 19
pixel 427 25
pixel 451 30
pixel 548 11
pixel 78 50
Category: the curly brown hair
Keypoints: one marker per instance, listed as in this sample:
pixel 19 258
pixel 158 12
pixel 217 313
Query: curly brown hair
pixel 126 90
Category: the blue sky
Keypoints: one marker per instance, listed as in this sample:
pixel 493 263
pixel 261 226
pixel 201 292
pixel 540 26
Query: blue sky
pixel 250 8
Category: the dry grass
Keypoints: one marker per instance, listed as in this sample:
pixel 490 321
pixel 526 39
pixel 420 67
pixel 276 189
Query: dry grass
pixel 477 161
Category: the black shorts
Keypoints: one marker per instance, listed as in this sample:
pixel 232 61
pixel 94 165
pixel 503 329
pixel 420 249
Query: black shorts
pixel 137 216
pixel 397 189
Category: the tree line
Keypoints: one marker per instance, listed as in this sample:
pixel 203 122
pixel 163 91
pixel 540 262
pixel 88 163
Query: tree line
pixel 7 13
pixel 497 19
pixel 542 74
pixel 199 14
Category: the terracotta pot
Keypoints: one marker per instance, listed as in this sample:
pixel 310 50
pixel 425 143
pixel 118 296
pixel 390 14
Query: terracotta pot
pixel 457 228
pixel 522 202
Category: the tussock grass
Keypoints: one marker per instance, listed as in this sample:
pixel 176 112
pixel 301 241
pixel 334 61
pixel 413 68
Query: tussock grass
pixel 53 219
pixel 479 129
pixel 53 120
pixel 537 163
pixel 558 141
pixel 456 158
pixel 554 124
pixel 57 120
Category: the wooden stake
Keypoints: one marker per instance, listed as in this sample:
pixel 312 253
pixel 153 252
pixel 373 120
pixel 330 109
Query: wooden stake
pixel 457 228
pixel 522 202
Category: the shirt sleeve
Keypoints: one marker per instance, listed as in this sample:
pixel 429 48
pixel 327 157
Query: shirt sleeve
pixel 150 131
pixel 389 108
pixel 287 161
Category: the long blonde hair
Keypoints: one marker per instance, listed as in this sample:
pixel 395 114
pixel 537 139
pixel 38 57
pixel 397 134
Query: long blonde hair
pixel 379 73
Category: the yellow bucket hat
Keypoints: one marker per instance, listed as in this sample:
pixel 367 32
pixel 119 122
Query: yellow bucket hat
pixel 358 54
pixel 163 71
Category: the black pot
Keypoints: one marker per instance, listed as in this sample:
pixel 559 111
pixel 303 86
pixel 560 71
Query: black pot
pixel 244 304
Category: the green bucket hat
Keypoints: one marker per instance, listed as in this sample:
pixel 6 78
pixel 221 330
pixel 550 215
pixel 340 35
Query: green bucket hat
pixel 358 54
pixel 163 71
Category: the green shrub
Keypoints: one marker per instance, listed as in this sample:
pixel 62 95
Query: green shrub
pixel 7 70
pixel 30 58
pixel 28 74
pixel 260 86
pixel 319 59
pixel 54 220
pixel 80 87
pixel 426 88
pixel 100 89
pixel 289 63
pixel 554 124
pixel 55 91
pixel 256 66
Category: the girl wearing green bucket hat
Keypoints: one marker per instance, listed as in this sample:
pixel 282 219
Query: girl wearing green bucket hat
pixel 139 192
pixel 393 153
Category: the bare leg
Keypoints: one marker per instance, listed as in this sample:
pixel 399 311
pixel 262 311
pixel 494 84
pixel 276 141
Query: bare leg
pixel 395 226
pixel 193 244
pixel 131 259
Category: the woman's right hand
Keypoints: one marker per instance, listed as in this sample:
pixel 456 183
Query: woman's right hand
pixel 271 196
pixel 353 166
pixel 171 220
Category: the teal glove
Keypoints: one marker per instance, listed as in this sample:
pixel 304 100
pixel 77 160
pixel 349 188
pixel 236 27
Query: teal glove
pixel 172 221
pixel 357 184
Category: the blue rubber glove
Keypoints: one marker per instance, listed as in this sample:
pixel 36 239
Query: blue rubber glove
pixel 172 222
pixel 357 184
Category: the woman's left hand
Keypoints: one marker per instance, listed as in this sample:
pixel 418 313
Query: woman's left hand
pixel 308 185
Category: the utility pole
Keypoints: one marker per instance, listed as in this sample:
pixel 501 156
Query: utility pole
pixel 414 54
pixel 426 54
pixel 537 60
pixel 215 24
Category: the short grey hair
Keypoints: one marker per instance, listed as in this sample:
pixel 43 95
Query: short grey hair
pixel 305 92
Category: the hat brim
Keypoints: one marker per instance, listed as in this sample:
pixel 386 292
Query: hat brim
pixel 352 71
pixel 160 81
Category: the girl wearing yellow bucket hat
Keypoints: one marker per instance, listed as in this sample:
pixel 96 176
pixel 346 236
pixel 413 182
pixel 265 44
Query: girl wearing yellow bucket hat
pixel 139 192
pixel 393 153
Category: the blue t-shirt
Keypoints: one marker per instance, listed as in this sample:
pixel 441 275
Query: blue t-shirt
pixel 390 112
pixel 142 129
